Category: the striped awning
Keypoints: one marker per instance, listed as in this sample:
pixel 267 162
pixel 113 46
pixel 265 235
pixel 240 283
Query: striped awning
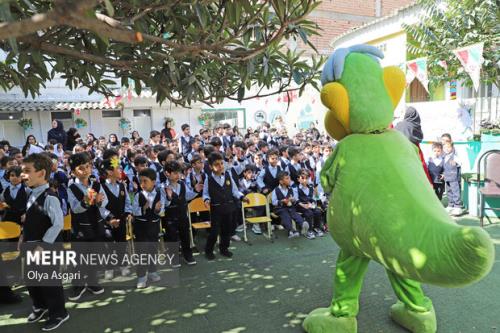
pixel 27 105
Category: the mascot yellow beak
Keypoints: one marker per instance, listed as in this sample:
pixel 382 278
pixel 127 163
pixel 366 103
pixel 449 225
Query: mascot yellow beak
pixel 335 97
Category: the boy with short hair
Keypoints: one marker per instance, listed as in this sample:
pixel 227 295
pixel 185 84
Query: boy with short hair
pixel 197 174
pixel 185 140
pixel 42 228
pixel 284 199
pixel 451 175
pixel 148 205
pixel 154 138
pixel 284 157
pixel 220 193
pixel 15 196
pixel 307 206
pixel 435 165
pixel 268 176
pixel 294 167
pixel 87 201
pixel 176 221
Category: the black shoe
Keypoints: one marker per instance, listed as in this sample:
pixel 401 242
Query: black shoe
pixel 189 259
pixel 54 323
pixel 210 255
pixel 96 290
pixel 77 293
pixel 9 297
pixel 36 315
pixel 226 253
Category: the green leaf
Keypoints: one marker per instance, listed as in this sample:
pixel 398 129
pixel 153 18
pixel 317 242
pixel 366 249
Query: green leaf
pixel 138 87
pixel 241 93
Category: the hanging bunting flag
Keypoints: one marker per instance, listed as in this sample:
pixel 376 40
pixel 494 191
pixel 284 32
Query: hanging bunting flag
pixel 443 64
pixel 418 68
pixel 471 58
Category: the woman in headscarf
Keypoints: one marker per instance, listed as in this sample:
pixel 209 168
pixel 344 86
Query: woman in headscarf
pixel 410 127
pixel 57 133
pixel 73 135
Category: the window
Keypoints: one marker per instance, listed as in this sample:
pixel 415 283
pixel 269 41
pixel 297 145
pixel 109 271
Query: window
pixel 142 113
pixel 234 117
pixel 111 113
pixel 10 116
pixel 61 115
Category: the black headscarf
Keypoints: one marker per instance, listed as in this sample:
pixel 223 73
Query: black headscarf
pixel 58 134
pixel 410 126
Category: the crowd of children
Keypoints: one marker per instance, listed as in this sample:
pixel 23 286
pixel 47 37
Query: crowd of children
pixel 105 185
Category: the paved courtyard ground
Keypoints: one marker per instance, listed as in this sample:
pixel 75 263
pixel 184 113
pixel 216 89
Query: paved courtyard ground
pixel 266 288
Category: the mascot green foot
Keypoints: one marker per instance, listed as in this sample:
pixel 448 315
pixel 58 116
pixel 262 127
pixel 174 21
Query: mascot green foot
pixel 321 320
pixel 415 322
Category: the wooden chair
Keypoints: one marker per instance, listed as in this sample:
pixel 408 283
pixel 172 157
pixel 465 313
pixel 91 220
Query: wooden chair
pixel 257 200
pixel 9 230
pixel 491 170
pixel 196 207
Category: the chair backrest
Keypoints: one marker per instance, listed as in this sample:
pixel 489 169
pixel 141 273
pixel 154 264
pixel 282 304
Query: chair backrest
pixel 492 169
pixel 256 199
pixel 197 205
pixel 67 222
pixel 489 163
pixel 9 230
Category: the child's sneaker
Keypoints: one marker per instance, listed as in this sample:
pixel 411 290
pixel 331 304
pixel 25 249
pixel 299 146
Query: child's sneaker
pixel 154 277
pixel 240 228
pixel 456 211
pixel 54 323
pixel 293 234
pixel 449 208
pixel 236 238
pixel 36 315
pixel 141 282
pixel 318 232
pixel 310 235
pixel 256 229
pixel 109 274
pixel 189 259
pixel 305 228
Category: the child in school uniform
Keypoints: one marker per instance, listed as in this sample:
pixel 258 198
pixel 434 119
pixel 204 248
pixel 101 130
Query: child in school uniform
pixel 59 176
pixel 176 221
pixel 148 205
pixel 268 177
pixel 14 196
pixel 87 201
pixel 247 183
pixel 220 193
pixel 197 174
pixel 284 200
pixel 118 209
pixel 42 228
pixel 451 175
pixel 307 205
pixel 294 167
pixel 435 165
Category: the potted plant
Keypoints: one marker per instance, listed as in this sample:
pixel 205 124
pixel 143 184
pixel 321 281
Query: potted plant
pixel 80 123
pixel 125 123
pixel 25 123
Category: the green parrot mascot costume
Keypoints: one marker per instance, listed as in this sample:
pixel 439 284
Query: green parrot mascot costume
pixel 382 207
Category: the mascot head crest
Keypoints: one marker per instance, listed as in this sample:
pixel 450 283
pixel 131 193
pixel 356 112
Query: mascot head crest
pixel 361 95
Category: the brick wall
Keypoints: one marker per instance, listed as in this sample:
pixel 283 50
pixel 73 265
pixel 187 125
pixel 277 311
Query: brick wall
pixel 388 6
pixel 352 13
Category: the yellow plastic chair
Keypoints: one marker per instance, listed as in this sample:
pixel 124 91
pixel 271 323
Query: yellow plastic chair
pixel 9 230
pixel 197 206
pixel 67 230
pixel 257 200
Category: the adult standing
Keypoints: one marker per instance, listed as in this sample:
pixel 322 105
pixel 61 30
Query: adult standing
pixel 31 146
pixel 57 133
pixel 411 128
pixel 168 132
pixel 72 135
